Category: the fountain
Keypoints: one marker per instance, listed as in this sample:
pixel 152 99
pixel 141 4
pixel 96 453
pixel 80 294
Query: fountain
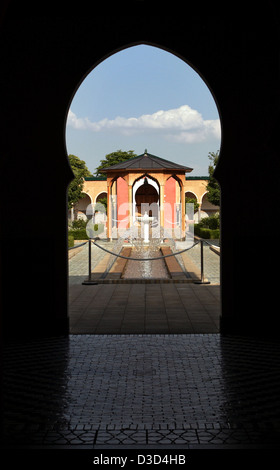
pixel 145 248
pixel 146 241
pixel 145 219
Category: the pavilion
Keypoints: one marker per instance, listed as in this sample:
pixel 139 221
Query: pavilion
pixel 146 183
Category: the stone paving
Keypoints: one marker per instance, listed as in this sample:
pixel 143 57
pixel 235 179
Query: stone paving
pixel 142 391
pixel 78 264
pixel 160 307
pixel 144 308
pixel 211 262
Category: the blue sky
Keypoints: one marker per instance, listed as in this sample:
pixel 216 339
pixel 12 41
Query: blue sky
pixel 144 98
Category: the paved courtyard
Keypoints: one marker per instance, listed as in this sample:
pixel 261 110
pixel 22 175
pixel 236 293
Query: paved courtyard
pixel 131 307
pixel 144 308
pixel 154 390
pixel 142 391
pixel 78 262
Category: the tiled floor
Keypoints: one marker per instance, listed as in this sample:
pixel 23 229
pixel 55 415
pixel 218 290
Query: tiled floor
pixel 143 368
pixel 141 391
pixel 144 308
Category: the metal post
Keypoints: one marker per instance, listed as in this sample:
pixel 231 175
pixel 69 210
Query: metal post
pixel 201 262
pixel 89 281
pixel 201 266
pixel 89 260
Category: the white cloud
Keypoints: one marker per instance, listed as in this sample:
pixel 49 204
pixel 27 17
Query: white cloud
pixel 182 124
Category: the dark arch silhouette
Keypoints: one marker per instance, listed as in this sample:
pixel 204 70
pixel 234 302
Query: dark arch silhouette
pixel 45 54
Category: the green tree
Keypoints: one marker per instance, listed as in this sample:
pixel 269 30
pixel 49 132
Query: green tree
pixel 190 200
pixel 102 204
pixel 75 188
pixel 213 187
pixel 114 158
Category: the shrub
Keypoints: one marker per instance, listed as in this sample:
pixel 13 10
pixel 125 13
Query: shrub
pixel 81 234
pixel 212 222
pixel 216 233
pixel 202 232
pixel 78 234
pixel 70 241
pixel 79 224
pixel 206 233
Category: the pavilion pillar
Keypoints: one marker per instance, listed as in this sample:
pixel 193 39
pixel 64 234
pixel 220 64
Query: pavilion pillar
pixel 183 212
pixel 130 204
pixel 161 204
pixel 109 210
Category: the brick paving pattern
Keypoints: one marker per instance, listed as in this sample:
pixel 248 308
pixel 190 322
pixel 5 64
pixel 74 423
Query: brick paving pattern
pixel 166 390
pixel 190 391
pixel 78 264
pixel 211 262
pixel 144 308
pixel 159 307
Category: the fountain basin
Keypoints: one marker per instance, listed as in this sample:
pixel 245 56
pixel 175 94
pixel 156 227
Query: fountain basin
pixel 154 269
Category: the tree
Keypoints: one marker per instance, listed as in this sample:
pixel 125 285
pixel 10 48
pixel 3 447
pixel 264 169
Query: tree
pixel 102 204
pixel 75 188
pixel 213 187
pixel 190 200
pixel 114 158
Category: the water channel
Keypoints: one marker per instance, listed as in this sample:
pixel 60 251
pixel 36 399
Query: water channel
pixel 144 247
pixel 154 269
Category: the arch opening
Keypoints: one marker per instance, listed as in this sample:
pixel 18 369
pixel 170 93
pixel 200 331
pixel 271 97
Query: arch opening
pixel 145 195
pixel 183 125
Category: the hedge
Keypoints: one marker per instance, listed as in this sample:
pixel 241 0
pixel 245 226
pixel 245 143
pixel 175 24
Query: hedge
pixel 206 232
pixel 70 241
pixel 79 234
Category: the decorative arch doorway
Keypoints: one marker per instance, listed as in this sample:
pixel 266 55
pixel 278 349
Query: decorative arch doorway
pixel 61 63
pixel 145 193
pixel 159 177
pixel 145 196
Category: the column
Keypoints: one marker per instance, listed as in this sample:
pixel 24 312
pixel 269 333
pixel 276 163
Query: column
pixel 161 195
pixel 183 212
pixel 130 203
pixel 109 212
pixel 199 213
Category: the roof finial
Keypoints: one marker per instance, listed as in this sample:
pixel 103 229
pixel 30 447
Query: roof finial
pixel 145 153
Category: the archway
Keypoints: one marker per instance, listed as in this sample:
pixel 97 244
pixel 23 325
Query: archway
pixel 191 197
pixel 101 196
pixel 145 190
pixel 119 201
pixel 172 203
pixel 207 208
pixel 80 208
pixel 143 194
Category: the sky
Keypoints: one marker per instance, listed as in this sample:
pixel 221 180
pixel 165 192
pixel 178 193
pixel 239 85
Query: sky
pixel 144 98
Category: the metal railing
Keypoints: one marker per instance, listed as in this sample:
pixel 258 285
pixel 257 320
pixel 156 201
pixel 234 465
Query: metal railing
pixel 202 241
pixel 77 246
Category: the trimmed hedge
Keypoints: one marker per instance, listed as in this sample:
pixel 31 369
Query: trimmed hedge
pixel 70 241
pixel 79 234
pixel 206 232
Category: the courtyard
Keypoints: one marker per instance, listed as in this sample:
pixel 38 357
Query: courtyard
pixel 176 392
pixel 141 306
